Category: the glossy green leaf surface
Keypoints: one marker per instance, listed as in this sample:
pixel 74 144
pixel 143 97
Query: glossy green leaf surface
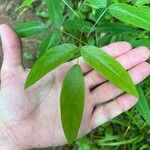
pixel 141 2
pixel 49 61
pixel 50 41
pixel 97 3
pixel 55 12
pixel 142 105
pixel 131 14
pixel 72 102
pixel 30 28
pixel 107 66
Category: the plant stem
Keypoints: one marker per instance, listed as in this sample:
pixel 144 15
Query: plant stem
pixel 97 22
pixel 71 8
pixel 74 37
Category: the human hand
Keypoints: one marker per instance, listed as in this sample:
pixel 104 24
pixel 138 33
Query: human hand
pixel 31 118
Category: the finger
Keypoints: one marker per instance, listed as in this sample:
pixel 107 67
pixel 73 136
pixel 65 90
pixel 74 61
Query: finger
pixel 11 48
pixel 127 60
pixel 115 49
pixel 112 109
pixel 118 48
pixel 108 91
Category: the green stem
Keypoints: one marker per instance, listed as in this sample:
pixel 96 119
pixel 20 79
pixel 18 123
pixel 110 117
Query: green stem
pixel 97 22
pixel 71 8
pixel 74 37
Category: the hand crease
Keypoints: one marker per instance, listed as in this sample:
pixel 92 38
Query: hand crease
pixel 41 101
pixel 9 135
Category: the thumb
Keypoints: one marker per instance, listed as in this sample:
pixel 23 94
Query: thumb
pixel 11 47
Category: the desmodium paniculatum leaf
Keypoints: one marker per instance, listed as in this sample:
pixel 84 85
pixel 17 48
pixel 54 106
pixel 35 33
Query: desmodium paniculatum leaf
pixel 72 102
pixel 134 15
pixel 109 67
pixel 50 60
pixel 30 28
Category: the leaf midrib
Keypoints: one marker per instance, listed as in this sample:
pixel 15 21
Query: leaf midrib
pixel 35 27
pixel 113 72
pixel 132 15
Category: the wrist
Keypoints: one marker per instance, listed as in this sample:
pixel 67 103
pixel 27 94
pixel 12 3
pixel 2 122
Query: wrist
pixel 7 141
pixel 8 144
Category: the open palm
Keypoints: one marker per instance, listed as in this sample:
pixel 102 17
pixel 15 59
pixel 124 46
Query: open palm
pixel 31 118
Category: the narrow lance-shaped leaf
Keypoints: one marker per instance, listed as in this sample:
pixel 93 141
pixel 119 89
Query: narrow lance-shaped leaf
pixel 97 3
pixel 50 60
pixel 130 14
pixel 50 41
pixel 72 102
pixel 142 105
pixel 30 28
pixel 55 11
pixel 76 24
pixel 109 68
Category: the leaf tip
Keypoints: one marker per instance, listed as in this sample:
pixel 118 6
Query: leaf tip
pixel 135 93
pixel 70 141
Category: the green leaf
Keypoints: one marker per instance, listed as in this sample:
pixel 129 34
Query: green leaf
pixel 76 24
pixel 109 68
pixel 97 3
pixel 130 14
pixel 142 2
pixel 145 8
pixel 30 28
pixel 55 12
pixel 26 3
pixel 50 41
pixel 72 102
pixel 142 105
pixel 50 60
pixel 115 28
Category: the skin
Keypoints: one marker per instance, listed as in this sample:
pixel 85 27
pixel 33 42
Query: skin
pixel 31 118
